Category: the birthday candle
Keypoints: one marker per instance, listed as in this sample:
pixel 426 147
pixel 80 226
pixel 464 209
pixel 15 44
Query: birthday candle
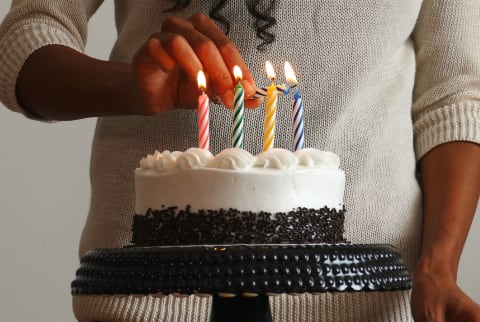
pixel 298 128
pixel 239 97
pixel 203 114
pixel 298 131
pixel 271 110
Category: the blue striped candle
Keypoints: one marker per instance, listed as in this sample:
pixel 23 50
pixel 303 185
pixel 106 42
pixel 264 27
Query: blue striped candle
pixel 298 131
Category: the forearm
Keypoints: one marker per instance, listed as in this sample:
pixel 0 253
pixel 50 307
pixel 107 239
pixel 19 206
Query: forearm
pixel 59 83
pixel 450 178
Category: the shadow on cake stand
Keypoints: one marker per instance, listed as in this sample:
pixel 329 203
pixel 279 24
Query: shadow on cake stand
pixel 241 277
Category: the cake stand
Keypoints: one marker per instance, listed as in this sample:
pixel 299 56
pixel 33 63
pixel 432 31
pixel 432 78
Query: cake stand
pixel 240 277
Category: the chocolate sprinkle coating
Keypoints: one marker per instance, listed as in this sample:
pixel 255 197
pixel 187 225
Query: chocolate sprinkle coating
pixel 242 269
pixel 173 226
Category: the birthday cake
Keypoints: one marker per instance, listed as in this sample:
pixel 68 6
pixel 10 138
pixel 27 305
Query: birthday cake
pixel 196 198
pixel 235 223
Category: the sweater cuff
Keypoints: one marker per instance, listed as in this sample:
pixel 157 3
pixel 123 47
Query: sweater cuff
pixel 19 45
pixel 455 122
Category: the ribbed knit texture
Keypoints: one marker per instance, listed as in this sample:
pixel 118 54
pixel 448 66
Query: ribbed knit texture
pixel 366 70
pixel 368 306
pixel 142 308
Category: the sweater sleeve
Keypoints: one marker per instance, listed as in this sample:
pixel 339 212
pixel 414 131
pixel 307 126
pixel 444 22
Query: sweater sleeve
pixel 446 104
pixel 32 24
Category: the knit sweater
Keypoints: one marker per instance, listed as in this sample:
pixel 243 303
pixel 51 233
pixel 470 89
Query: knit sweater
pixel 383 82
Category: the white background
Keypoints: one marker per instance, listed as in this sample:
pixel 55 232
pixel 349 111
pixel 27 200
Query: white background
pixel 44 199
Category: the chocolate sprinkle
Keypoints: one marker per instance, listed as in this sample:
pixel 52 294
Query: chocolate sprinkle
pixel 173 226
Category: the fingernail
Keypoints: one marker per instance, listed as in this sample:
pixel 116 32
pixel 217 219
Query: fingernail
pixel 254 102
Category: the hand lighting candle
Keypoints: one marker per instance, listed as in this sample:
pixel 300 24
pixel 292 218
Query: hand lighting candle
pixel 237 125
pixel 271 109
pixel 298 131
pixel 203 114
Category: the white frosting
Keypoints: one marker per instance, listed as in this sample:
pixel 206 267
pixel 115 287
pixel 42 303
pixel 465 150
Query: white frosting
pixel 238 159
pixel 274 181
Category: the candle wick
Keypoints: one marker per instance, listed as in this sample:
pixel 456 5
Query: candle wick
pixel 292 84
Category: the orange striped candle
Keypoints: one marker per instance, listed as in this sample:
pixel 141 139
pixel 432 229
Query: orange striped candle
pixel 271 110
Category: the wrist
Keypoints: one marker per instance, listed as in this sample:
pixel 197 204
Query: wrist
pixel 438 260
pixel 117 91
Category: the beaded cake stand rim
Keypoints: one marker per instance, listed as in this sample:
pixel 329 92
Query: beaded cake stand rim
pixel 394 278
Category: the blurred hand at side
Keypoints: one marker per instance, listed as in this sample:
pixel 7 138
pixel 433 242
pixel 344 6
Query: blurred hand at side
pixel 439 299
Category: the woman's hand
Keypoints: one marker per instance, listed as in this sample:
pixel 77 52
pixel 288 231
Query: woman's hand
pixel 165 68
pixel 60 83
pixel 437 299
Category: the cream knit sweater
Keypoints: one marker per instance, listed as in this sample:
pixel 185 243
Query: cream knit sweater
pixel 383 82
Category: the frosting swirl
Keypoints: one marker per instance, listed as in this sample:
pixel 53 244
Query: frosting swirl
pixel 317 158
pixel 193 158
pixel 276 159
pixel 232 159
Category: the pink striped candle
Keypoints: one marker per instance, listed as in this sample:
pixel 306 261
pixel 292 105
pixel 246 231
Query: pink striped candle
pixel 203 114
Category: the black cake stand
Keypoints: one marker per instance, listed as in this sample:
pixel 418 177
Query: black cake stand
pixel 241 277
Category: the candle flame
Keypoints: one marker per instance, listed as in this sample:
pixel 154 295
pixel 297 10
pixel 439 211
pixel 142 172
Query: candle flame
pixel 290 74
pixel 270 71
pixel 202 83
pixel 237 72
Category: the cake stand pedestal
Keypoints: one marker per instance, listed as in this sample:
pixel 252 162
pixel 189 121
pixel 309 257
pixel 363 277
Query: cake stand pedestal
pixel 241 308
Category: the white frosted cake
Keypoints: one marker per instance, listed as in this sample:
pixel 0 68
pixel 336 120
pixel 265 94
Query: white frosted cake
pixel 277 196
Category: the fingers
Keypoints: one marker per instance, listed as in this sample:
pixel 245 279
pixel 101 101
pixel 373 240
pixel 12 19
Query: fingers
pixel 168 49
pixel 197 44
pixel 227 49
pixel 208 54
pixel 441 302
pixel 462 308
pixel 159 55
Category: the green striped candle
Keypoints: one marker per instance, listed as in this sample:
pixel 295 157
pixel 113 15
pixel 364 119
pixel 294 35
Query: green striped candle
pixel 238 110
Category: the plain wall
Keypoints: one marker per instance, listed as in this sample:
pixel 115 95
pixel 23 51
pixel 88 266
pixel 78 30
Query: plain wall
pixel 44 199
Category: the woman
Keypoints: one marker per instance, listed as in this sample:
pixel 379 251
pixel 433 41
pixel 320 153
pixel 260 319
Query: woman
pixel 365 71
